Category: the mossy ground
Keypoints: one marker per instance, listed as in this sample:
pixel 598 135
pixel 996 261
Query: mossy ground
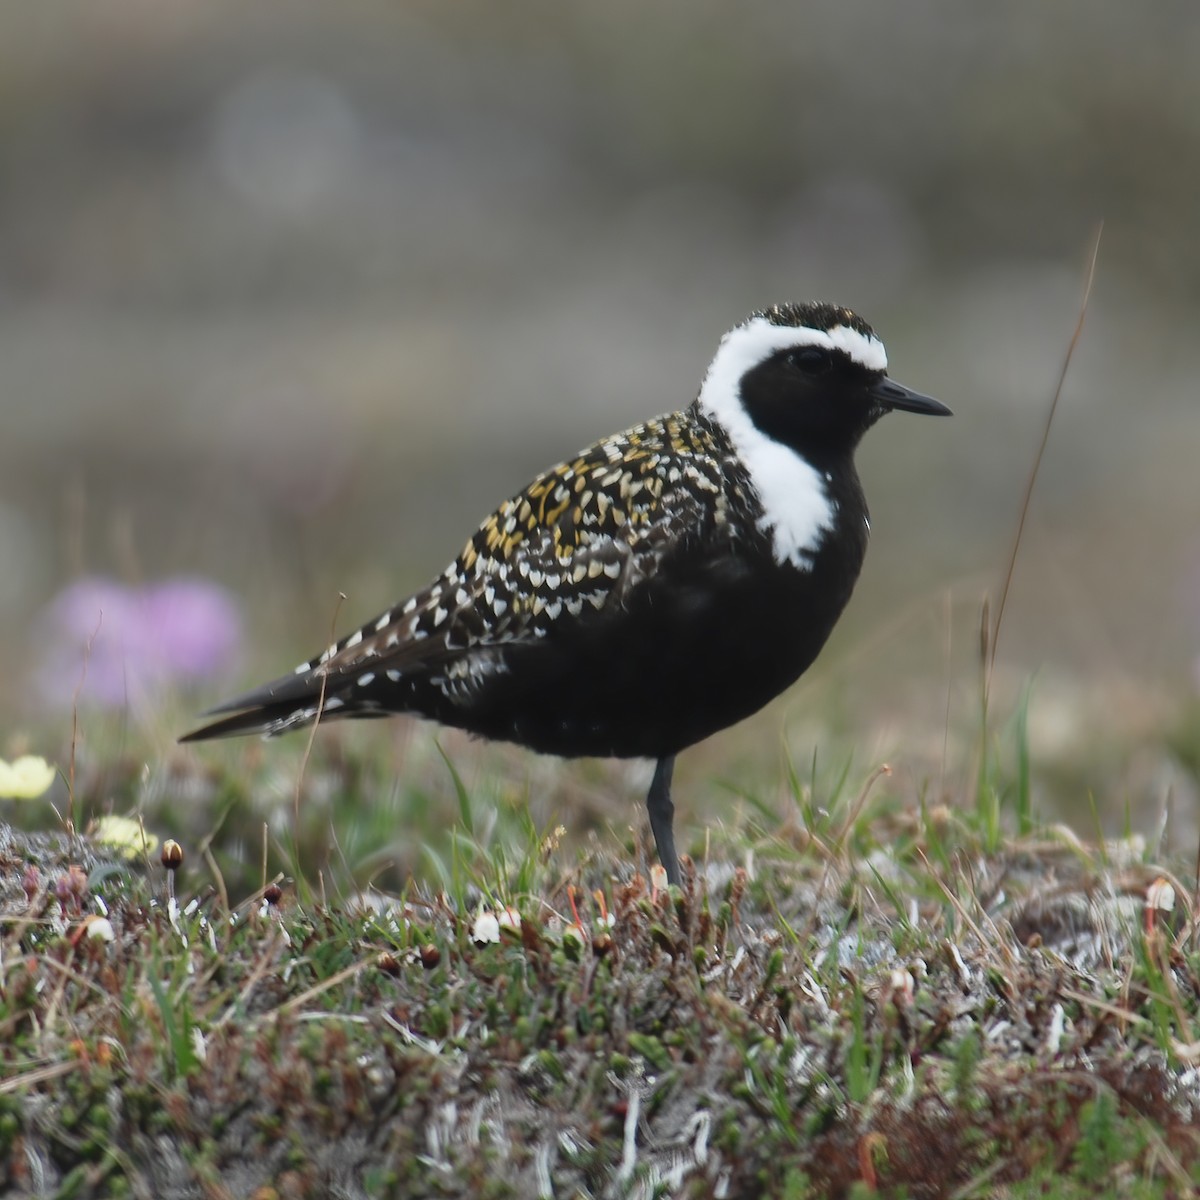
pixel 868 994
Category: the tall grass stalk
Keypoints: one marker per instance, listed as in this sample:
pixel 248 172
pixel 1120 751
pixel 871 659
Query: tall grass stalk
pixel 986 792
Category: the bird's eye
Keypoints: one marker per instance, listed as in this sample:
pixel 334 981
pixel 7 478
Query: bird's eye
pixel 810 359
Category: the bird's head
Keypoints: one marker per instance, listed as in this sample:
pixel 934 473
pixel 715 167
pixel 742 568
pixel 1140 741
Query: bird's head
pixel 809 376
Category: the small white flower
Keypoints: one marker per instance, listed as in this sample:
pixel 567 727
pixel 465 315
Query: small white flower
pixel 101 929
pixel 1058 1025
pixel 486 929
pixel 903 986
pixel 1160 895
pixel 509 918
pixel 199 1043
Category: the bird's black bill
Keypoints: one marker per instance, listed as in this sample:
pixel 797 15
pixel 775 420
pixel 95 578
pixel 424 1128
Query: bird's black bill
pixel 891 394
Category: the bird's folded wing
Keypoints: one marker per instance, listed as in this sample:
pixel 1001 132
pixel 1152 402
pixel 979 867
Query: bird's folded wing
pixel 571 545
pixel 567 549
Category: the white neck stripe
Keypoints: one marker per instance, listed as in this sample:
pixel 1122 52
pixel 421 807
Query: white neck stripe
pixel 797 510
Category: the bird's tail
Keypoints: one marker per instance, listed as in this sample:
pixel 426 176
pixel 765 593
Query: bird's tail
pixel 290 702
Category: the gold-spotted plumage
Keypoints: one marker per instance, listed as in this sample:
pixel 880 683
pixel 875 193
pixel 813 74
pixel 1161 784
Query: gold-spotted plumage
pixel 576 539
pixel 661 585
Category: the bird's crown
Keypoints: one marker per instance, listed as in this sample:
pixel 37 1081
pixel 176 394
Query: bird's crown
pixel 814 315
pixel 809 323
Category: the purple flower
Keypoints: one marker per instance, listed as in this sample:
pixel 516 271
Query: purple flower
pixel 125 643
pixel 197 626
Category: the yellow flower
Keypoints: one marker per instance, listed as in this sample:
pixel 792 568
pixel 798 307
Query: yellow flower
pixel 26 778
pixel 124 834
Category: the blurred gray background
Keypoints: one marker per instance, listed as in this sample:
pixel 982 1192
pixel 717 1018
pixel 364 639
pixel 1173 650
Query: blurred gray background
pixel 292 294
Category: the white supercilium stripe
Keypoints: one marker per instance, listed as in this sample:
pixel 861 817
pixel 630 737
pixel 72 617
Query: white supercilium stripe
pixel 797 511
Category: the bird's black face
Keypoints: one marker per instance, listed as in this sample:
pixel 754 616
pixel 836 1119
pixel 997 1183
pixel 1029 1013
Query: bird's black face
pixel 820 400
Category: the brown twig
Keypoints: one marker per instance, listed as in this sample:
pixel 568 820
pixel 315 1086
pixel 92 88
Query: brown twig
pixel 1037 458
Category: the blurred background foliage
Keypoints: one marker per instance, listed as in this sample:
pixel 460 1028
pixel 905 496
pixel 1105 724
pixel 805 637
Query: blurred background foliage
pixel 292 294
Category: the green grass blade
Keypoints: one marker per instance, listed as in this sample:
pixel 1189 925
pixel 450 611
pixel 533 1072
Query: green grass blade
pixel 460 790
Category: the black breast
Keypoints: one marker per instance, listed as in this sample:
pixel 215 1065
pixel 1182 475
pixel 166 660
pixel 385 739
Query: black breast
pixel 707 641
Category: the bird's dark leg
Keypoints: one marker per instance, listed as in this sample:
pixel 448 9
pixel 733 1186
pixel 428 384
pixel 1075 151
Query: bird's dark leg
pixel 662 811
